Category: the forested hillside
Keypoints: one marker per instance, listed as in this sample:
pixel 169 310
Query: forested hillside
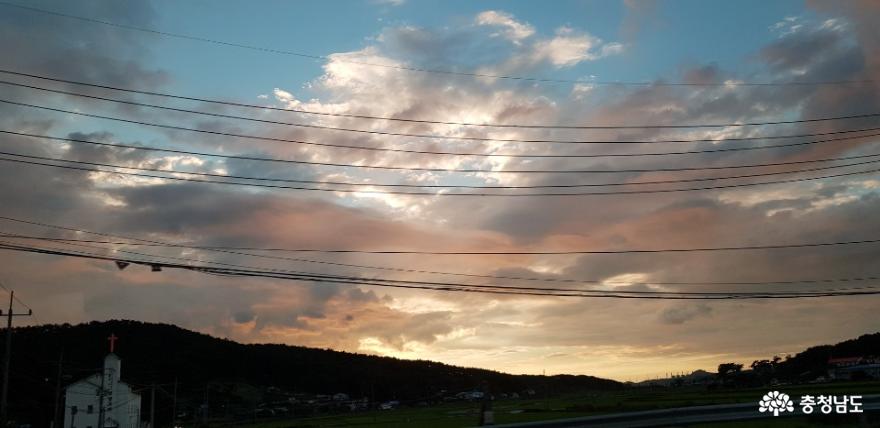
pixel 233 375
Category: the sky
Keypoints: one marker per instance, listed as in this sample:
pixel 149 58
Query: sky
pixel 710 46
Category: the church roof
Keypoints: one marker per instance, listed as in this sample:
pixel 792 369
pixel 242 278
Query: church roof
pixel 94 381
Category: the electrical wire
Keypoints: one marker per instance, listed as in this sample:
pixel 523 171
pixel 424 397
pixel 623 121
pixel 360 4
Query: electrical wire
pixel 270 108
pixel 427 169
pixel 410 270
pixel 457 288
pixel 31 311
pixel 439 193
pixel 448 186
pixel 307 275
pixel 435 136
pixel 384 149
pixel 419 69
pixel 14 297
pixel 468 253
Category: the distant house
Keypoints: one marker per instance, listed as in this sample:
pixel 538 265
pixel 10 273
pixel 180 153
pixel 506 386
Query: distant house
pixel 853 367
pixel 102 395
pixel 389 405
pixel 362 404
pixel 844 362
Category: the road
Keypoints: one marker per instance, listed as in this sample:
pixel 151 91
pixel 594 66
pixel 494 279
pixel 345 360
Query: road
pixel 677 416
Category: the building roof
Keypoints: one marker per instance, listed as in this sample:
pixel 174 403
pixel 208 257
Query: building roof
pixel 844 360
pixel 94 381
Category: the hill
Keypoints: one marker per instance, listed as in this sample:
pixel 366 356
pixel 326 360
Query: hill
pixel 237 376
pixel 223 378
pixel 813 361
pixel 810 365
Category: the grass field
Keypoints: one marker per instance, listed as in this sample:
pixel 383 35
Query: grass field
pixel 569 406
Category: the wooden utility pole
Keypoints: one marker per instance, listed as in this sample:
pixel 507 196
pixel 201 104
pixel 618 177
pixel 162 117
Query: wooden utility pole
pixel 487 416
pixel 101 398
pixel 153 405
pixel 55 413
pixel 105 373
pixel 174 406
pixel 4 407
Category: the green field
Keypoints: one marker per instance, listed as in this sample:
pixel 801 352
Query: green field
pixel 569 406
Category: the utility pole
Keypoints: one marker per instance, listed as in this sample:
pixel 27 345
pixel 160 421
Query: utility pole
pixel 106 373
pixel 55 414
pixel 153 406
pixel 4 407
pixel 101 399
pixel 546 389
pixel 174 406
pixel 487 416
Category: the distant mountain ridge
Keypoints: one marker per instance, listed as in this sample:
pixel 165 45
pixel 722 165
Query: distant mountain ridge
pixel 231 375
pixel 161 353
pixel 807 365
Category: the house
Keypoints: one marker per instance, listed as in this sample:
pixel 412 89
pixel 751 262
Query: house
pixel 102 395
pixel 853 368
pixel 844 362
pixel 389 405
pixel 469 395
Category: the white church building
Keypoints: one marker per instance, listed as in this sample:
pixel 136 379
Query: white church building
pixel 102 395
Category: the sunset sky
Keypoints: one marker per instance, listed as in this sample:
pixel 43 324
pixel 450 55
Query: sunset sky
pixel 354 55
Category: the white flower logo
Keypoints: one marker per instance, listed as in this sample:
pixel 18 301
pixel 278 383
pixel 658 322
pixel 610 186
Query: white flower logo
pixel 776 402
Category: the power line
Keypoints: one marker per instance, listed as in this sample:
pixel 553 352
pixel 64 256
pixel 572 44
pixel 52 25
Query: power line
pixel 440 193
pixel 225 272
pixel 383 149
pixel 475 288
pixel 20 302
pixel 470 253
pixel 440 186
pixel 435 136
pixel 261 107
pixel 419 69
pixel 410 270
pixel 426 169
pixel 309 275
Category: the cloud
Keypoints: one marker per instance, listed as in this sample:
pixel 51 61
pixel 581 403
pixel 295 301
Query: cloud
pixel 789 25
pixel 514 30
pixel 567 48
pixel 795 51
pixel 570 47
pixel 641 15
pixel 681 314
pixel 491 331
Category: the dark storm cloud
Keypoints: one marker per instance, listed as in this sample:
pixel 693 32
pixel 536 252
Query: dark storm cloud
pixel 640 16
pixel 862 15
pixel 681 314
pixel 102 154
pixel 801 49
pixel 706 74
pixel 437 48
pixel 82 50
pixel 819 54
pixel 94 53
pixel 244 316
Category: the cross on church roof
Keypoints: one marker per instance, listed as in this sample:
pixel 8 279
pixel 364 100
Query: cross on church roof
pixel 112 340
